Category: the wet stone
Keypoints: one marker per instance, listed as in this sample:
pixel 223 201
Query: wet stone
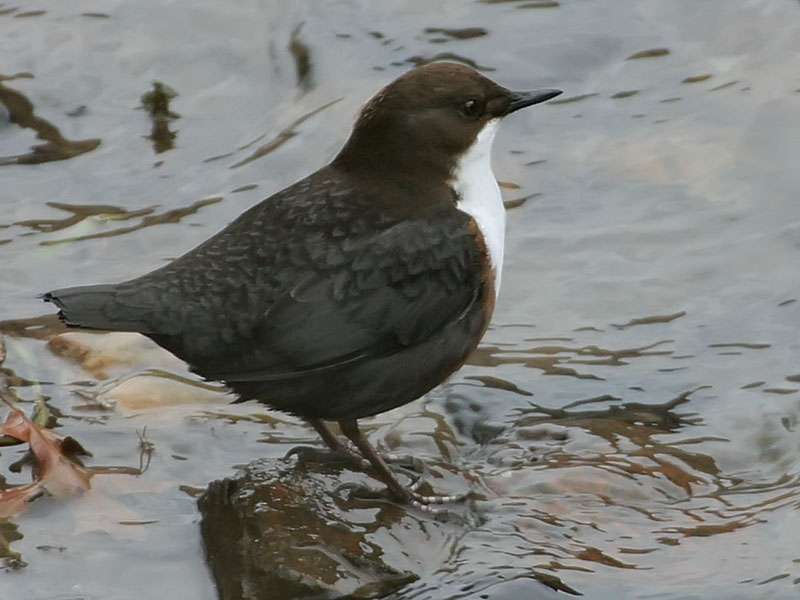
pixel 284 529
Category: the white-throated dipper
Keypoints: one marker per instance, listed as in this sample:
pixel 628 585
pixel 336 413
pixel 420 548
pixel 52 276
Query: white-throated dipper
pixel 355 290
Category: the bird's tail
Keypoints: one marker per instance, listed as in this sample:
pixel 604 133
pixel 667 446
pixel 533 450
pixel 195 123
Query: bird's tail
pixel 91 307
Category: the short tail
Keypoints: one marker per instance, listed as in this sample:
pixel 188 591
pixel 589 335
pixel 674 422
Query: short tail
pixel 91 307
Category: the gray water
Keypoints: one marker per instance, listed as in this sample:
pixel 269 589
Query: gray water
pixel 631 417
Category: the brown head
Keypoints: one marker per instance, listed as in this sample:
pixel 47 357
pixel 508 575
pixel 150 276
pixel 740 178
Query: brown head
pixel 427 118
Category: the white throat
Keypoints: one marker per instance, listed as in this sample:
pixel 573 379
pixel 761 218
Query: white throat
pixel 479 196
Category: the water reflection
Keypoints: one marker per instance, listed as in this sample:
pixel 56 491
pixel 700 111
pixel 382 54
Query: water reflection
pixel 301 54
pixel 276 142
pixel 38 328
pixel 651 320
pixel 652 53
pixel 572 99
pixel 80 212
pixel 157 104
pixel 550 358
pixel 418 60
pixel 148 220
pixel 56 146
pixel 465 33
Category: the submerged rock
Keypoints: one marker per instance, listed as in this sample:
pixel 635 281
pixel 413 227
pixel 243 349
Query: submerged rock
pixel 103 354
pixel 294 529
pixel 159 389
pixel 281 530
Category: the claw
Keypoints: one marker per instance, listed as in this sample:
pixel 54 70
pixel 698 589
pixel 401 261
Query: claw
pixel 360 490
pixel 406 461
pixel 306 454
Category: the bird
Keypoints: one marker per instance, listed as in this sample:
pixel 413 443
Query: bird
pixel 355 290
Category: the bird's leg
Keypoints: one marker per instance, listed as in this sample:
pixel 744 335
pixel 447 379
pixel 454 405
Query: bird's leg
pixel 410 495
pixel 328 436
pixel 338 452
pixel 353 433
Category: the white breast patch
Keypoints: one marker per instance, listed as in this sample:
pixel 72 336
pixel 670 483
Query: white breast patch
pixel 479 196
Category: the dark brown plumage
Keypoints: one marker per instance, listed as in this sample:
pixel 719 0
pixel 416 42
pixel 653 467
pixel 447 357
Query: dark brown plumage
pixel 352 291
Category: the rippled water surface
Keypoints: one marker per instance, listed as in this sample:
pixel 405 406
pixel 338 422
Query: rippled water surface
pixel 632 418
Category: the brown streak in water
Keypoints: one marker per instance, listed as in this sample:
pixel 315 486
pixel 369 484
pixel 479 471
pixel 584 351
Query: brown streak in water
pixel 21 75
pixel 37 328
pixel 492 356
pixel 747 345
pixel 56 146
pixel 284 136
pixel 80 212
pixel 465 33
pixel 170 216
pixel 418 61
pixel 633 420
pixel 540 4
pixel 750 386
pixel 723 86
pixel 709 530
pixel 595 400
pixel 637 550
pixel 554 583
pixel 499 384
pixel 697 78
pixel 652 53
pixel 156 103
pixel 508 185
pixel 571 99
pixel 301 54
pixel 261 418
pixel 239 149
pixel 528 4
pixel 30 13
pixel 593 554
pixel 516 203
pixel 650 320
pixel 245 188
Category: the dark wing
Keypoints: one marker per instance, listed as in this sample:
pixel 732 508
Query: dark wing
pixel 394 290
pixel 260 301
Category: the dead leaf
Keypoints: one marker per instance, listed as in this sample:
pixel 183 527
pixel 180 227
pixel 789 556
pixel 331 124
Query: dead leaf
pixel 53 472
pixel 15 500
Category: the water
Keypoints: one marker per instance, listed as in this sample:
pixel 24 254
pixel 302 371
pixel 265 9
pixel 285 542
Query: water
pixel 652 270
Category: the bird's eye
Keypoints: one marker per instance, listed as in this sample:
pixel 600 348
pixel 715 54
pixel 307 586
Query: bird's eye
pixel 472 109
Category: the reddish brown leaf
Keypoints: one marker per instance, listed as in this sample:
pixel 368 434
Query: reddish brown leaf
pixel 15 500
pixel 55 473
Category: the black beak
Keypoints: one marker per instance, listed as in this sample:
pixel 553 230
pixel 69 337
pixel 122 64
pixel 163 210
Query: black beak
pixel 523 99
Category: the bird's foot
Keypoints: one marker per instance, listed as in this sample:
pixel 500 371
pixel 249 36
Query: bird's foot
pixel 310 454
pixel 410 495
pixel 409 464
pixel 429 499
